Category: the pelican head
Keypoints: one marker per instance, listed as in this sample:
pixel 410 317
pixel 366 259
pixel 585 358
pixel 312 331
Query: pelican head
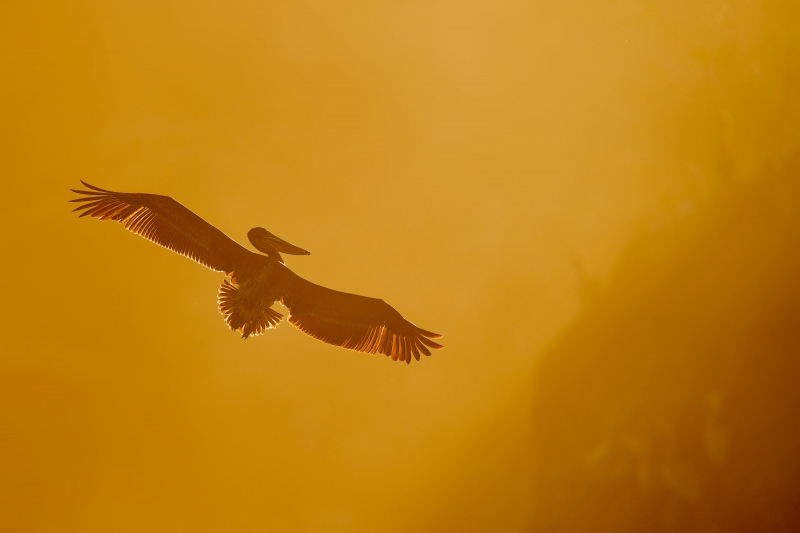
pixel 271 245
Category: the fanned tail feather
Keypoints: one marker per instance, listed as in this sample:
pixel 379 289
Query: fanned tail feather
pixel 246 321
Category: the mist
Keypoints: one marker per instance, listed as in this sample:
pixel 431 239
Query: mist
pixel 595 203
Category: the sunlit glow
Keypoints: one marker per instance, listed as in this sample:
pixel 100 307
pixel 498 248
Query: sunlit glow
pixel 596 203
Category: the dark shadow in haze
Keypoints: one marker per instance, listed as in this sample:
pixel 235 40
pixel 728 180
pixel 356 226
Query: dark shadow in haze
pixel 673 403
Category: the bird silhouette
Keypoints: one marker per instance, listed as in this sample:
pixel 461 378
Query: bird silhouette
pixel 255 282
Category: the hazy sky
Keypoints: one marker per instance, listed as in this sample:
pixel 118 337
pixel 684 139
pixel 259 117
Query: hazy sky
pixel 471 163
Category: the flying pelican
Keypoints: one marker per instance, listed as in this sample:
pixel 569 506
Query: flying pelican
pixel 257 281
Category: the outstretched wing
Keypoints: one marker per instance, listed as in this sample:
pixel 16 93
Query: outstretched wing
pixel 351 321
pixel 165 222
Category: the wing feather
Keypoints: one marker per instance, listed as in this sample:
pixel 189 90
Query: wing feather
pixel 164 221
pixel 355 322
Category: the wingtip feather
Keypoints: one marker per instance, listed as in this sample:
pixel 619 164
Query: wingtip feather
pixel 427 333
pixel 93 187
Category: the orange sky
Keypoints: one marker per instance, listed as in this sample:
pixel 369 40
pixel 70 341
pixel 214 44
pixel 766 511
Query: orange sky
pixel 471 163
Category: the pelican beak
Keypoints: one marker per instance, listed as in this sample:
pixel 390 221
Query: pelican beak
pixel 284 246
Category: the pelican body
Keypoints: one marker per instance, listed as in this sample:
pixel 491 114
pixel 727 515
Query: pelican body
pixel 256 281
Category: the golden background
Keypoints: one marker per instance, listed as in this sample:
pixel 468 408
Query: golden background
pixel 595 203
